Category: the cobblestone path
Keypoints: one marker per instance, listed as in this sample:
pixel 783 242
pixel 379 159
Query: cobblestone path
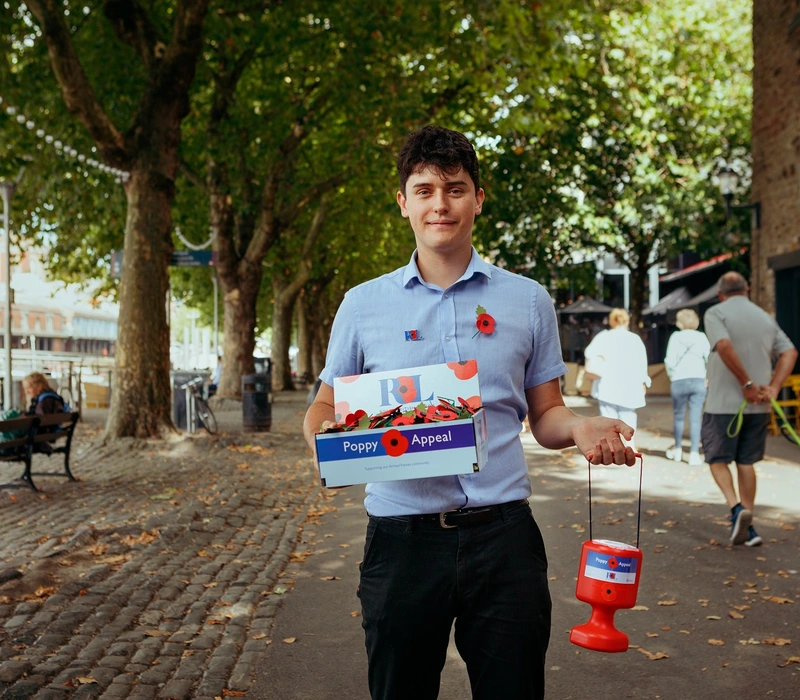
pixel 156 575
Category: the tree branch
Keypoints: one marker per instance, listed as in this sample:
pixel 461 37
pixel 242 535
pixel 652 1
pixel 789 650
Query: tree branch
pixel 134 28
pixel 79 96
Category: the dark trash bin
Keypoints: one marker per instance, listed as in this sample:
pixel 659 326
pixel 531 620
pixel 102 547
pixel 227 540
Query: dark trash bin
pixel 256 403
pixel 177 379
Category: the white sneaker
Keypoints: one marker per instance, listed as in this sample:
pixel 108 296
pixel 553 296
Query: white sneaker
pixel 695 460
pixel 675 453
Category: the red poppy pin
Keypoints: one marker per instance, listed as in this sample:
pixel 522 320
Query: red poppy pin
pixel 485 323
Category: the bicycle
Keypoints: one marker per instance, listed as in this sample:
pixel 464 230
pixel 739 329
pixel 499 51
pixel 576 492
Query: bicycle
pixel 197 410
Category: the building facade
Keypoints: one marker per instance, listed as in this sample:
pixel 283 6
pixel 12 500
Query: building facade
pixel 775 253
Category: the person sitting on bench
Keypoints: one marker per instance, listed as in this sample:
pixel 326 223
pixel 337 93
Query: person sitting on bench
pixel 43 401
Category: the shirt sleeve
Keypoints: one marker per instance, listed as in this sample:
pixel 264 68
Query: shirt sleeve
pixel 669 360
pixel 545 362
pixel 781 343
pixel 345 356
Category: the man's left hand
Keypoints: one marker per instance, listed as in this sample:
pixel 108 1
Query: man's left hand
pixel 768 392
pixel 600 440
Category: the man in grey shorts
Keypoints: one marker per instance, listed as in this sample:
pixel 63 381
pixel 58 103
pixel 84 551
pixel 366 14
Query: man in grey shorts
pixel 744 340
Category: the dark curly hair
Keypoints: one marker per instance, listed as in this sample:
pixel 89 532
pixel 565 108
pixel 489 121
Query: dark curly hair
pixel 443 149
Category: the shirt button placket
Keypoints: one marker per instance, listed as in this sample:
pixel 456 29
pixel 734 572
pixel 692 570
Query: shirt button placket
pixel 447 317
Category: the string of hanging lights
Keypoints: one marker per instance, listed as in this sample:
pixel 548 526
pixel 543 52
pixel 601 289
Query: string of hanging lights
pixel 61 148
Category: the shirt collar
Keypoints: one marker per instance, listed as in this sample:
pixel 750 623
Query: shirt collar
pixel 477 265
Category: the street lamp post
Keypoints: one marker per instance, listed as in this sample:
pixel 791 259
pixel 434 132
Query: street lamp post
pixel 728 183
pixel 7 190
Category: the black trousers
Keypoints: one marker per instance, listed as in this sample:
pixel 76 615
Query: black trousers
pixel 417 578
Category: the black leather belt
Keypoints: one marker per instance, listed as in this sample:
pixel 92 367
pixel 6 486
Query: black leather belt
pixel 464 517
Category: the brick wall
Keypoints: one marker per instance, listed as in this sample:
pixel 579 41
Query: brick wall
pixel 776 139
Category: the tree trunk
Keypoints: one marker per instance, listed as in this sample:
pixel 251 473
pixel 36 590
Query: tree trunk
pixel 239 340
pixel 304 363
pixel 282 309
pixel 141 401
pixel 638 284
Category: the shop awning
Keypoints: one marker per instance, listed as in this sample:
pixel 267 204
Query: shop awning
pixel 708 295
pixel 716 261
pixel 587 305
pixel 668 301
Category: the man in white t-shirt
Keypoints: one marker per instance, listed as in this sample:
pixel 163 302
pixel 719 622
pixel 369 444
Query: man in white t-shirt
pixel 744 340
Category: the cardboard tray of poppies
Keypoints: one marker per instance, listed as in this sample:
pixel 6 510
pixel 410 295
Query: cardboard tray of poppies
pixel 433 438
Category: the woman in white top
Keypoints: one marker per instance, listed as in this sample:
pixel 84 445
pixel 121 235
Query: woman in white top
pixel 620 358
pixel 687 354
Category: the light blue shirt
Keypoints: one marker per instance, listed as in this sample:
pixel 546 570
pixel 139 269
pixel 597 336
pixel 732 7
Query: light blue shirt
pixel 369 335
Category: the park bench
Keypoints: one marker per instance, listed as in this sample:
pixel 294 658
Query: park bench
pixel 49 434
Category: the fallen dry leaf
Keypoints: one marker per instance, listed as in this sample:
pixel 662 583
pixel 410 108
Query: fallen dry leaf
pixel 667 602
pixel 290 640
pixel 355 613
pixel 790 660
pixel 157 633
pixel 330 578
pixel 260 635
pixel 735 615
pixel 777 641
pixel 716 642
pixel 653 656
pixel 779 600
pixel 233 693
pixel 144 538
pixel 713 617
pixel 83 680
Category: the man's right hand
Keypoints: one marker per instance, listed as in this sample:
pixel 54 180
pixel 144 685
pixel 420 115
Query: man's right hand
pixel 754 394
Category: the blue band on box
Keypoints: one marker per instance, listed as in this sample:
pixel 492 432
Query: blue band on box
pixel 370 443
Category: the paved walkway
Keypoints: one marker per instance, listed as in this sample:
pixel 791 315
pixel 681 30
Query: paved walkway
pixel 155 575
pixel 160 573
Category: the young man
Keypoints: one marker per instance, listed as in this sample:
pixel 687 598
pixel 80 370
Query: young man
pixel 744 340
pixel 463 548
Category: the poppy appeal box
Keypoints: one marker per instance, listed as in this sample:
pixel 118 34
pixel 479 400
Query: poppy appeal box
pixel 431 424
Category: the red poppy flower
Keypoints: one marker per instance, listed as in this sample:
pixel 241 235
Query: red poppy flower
pixel 464 370
pixel 353 418
pixel 403 420
pixel 485 324
pixel 406 389
pixel 394 442
pixel 443 413
pixel 472 404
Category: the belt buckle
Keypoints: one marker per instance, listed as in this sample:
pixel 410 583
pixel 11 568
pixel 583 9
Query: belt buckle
pixel 443 523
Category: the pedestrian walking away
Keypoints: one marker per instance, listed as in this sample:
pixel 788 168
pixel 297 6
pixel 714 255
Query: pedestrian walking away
pixel 744 340
pixel 463 550
pixel 685 363
pixel 618 359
